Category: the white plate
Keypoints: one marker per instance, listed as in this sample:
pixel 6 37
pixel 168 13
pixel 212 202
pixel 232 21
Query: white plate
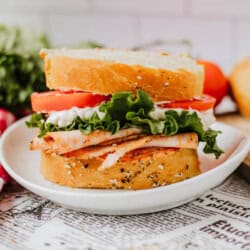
pixel 23 166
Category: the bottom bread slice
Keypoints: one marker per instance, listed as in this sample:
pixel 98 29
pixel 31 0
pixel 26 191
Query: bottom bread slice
pixel 139 169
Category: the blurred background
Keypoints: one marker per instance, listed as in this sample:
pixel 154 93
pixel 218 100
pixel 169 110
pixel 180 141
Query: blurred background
pixel 217 30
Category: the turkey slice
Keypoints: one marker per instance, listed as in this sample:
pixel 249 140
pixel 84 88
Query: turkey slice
pixel 65 141
pixel 116 151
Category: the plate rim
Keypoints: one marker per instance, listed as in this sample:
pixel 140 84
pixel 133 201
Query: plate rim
pixel 244 145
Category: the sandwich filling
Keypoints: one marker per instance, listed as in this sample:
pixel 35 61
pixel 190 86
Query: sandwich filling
pixel 85 125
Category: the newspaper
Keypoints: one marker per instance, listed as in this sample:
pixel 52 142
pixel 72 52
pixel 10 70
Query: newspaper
pixel 220 219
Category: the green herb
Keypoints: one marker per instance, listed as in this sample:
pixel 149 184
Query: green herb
pixel 124 111
pixel 22 41
pixel 87 45
pixel 19 77
pixel 21 70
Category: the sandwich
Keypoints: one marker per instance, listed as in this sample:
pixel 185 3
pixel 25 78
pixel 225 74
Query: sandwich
pixel 121 119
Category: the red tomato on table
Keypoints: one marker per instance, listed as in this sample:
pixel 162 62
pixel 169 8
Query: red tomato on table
pixel 215 83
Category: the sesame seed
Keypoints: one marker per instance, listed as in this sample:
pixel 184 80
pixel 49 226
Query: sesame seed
pixel 166 84
pixel 198 98
pixel 69 172
pixel 67 165
pixel 178 175
pixel 160 166
pixel 139 77
pixel 85 165
pixel 127 174
pixel 113 181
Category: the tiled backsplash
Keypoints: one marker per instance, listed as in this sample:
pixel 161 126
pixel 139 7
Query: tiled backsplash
pixel 219 30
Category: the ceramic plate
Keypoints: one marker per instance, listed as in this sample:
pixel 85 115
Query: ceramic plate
pixel 23 166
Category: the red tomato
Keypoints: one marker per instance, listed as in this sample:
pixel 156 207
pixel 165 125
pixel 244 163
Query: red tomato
pixel 62 100
pixel 215 83
pixel 202 103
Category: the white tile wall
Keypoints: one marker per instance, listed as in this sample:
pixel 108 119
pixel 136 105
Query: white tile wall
pixel 235 8
pixel 243 39
pixel 139 6
pixel 210 39
pixel 35 22
pixel 218 29
pixel 111 31
pixel 44 6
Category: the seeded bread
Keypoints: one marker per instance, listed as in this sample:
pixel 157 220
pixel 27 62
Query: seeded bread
pixel 162 76
pixel 139 169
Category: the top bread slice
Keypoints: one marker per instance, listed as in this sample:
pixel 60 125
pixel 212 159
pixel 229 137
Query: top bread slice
pixel 105 71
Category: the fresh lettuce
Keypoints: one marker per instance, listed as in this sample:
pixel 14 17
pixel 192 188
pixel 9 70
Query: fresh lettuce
pixel 125 110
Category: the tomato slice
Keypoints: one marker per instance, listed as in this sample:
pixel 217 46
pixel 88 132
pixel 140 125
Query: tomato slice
pixel 202 103
pixel 62 100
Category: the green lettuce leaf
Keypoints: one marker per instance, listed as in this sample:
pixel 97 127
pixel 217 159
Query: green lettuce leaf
pixel 125 110
pixel 123 102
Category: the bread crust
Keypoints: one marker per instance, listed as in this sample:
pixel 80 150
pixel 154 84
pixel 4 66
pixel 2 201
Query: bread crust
pixel 141 169
pixel 239 80
pixel 107 77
